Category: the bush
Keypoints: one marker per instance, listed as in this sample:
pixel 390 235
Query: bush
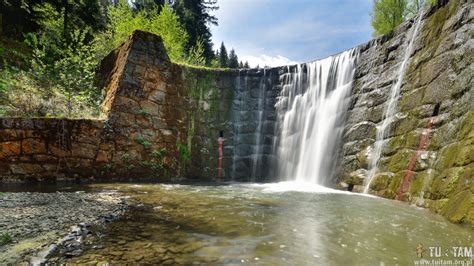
pixel 123 21
pixel 60 81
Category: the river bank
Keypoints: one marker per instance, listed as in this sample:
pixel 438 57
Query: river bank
pixel 32 224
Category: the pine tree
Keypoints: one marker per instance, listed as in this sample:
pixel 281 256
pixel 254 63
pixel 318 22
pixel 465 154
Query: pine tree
pixel 233 59
pixel 148 5
pixel 241 65
pixel 246 65
pixel 196 18
pixel 223 58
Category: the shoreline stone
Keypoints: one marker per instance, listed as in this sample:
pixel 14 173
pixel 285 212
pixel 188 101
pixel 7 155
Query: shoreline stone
pixel 38 222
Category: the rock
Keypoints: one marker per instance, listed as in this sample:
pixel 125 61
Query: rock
pixel 364 157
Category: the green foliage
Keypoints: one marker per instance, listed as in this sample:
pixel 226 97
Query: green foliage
pixel 5 238
pixel 22 94
pixel 123 21
pixel 414 6
pixel 21 17
pixel 145 143
pixel 196 55
pixel 196 17
pixel 183 150
pixel 233 59
pixel 127 159
pixel 53 74
pixel 144 112
pixel 158 154
pixel 387 14
pixel 64 63
pixel 223 57
pixel 108 168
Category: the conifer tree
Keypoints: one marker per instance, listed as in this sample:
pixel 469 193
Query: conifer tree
pixel 223 57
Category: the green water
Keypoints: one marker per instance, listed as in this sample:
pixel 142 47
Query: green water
pixel 257 224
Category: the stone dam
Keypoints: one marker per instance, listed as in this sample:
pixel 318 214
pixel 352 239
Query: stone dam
pixel 162 120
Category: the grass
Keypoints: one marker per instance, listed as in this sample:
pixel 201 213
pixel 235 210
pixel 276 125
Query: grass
pixel 5 238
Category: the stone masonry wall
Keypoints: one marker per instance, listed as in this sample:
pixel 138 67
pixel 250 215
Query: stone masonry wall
pixel 145 112
pixel 162 120
pixel 440 73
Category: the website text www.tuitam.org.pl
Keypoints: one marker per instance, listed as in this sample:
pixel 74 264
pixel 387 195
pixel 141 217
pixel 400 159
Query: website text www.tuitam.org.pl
pixel 438 256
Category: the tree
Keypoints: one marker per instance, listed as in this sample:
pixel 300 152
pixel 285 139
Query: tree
pixel 223 58
pixel 414 6
pixel 196 54
pixel 123 21
pixel 233 60
pixel 148 5
pixel 196 18
pixel 20 17
pixel 387 14
pixel 246 64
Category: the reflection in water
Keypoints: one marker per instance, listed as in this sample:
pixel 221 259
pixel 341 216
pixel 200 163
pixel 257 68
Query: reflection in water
pixel 245 223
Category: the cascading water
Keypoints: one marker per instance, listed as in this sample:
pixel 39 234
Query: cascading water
pixel 236 123
pixel 389 113
pixel 311 111
pixel 257 153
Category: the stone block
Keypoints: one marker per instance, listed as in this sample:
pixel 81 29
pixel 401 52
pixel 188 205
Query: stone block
pixel 10 148
pixel 33 146
pixel 26 168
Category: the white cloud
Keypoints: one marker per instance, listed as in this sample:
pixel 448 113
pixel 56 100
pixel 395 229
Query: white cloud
pixel 266 60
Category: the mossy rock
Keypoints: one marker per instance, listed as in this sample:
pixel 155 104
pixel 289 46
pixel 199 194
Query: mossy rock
pixel 466 153
pixel 395 182
pixel 457 208
pixel 445 184
pixel 413 139
pixel 381 181
pixel 404 125
pixel 400 160
pixel 447 157
pixel 417 183
pixel 466 130
pixel 412 99
pixel 432 30
pixel 438 205
pixel 394 144
pixel 444 135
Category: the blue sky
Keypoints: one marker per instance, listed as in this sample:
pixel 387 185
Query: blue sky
pixel 279 32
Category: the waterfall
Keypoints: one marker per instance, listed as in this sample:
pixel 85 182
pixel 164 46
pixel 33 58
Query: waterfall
pixel 257 151
pixel 311 112
pixel 236 122
pixel 390 110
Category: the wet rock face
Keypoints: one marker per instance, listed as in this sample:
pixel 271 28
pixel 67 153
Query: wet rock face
pixel 437 84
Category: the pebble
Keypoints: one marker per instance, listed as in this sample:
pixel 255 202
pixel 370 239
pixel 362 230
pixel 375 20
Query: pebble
pixel 27 215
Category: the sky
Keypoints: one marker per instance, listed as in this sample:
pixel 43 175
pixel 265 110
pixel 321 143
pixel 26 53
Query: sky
pixel 282 32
